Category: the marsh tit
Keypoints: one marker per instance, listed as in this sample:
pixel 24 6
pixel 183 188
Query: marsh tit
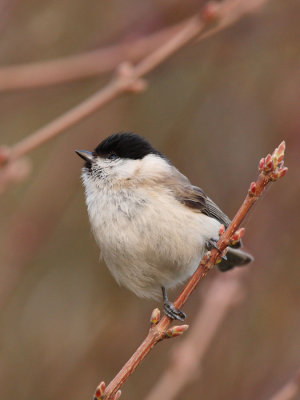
pixel 151 224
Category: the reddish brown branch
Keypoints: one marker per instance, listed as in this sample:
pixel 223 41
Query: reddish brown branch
pixel 95 62
pixel 89 64
pixel 128 77
pixel 14 172
pixel 186 359
pixel 271 168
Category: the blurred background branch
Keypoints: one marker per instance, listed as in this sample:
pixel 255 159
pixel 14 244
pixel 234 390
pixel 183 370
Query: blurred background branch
pixel 127 78
pixel 28 76
pixel 96 62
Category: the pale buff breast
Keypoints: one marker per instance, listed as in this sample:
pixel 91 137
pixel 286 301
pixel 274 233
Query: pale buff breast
pixel 148 240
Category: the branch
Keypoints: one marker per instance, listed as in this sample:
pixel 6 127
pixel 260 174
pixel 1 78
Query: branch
pixel 93 63
pixel 81 66
pixel 271 169
pixel 290 390
pixel 128 77
pixel 12 172
pixel 224 293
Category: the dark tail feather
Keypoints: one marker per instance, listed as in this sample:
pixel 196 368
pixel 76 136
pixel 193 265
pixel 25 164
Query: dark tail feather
pixel 235 257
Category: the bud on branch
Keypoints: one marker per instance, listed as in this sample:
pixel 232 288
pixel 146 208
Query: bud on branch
pixel 274 163
pixel 176 331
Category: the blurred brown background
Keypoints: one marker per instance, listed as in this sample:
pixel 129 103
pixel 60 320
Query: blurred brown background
pixel 214 109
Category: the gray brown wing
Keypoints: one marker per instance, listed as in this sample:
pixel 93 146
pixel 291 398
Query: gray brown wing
pixel 195 198
pixel 215 212
pixel 234 256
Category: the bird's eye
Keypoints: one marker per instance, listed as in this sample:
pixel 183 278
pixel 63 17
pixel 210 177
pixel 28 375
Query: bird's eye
pixel 112 156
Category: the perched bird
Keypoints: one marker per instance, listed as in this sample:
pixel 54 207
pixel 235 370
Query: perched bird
pixel 151 224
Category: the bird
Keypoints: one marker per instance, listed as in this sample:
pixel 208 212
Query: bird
pixel 151 224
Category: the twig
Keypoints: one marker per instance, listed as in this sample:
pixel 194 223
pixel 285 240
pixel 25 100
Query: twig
pixel 128 78
pixel 92 63
pixel 85 65
pixel 290 390
pixel 15 171
pixel 185 362
pixel 271 169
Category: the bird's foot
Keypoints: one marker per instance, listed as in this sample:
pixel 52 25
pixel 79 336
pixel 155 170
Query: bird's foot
pixel 212 244
pixel 172 312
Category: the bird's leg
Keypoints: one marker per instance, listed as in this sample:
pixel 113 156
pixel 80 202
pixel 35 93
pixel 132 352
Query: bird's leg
pixel 170 310
pixel 212 244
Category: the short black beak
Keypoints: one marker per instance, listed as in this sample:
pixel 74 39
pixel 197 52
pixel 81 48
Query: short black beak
pixel 86 155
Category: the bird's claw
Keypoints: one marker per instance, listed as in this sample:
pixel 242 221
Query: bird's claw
pixel 172 312
pixel 212 244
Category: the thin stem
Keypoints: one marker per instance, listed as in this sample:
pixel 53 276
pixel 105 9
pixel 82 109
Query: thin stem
pixel 95 62
pixel 85 65
pixel 224 293
pixel 225 13
pixel 120 83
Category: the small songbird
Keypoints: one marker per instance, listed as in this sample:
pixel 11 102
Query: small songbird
pixel 151 224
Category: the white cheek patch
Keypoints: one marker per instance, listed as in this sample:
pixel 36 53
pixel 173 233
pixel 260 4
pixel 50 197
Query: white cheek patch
pixel 100 162
pixel 109 170
pixel 155 166
pixel 126 168
pixel 150 167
